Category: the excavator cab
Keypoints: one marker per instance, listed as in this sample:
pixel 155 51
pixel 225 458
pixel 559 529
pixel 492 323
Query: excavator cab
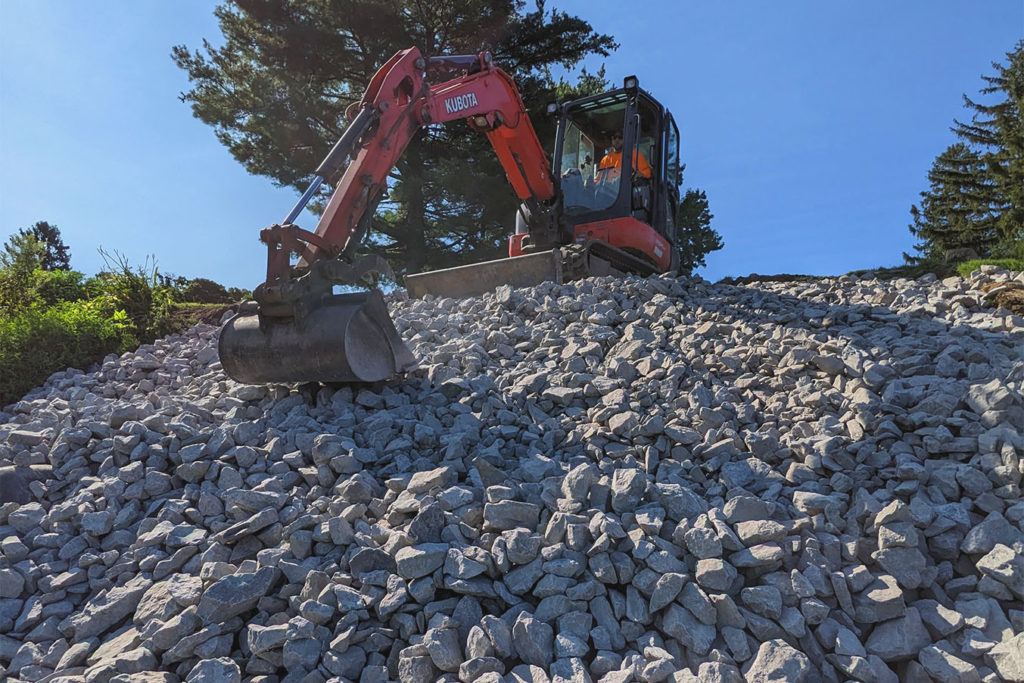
pixel 616 158
pixel 616 169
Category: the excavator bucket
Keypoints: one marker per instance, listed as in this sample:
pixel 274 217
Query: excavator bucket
pixel 477 278
pixel 345 338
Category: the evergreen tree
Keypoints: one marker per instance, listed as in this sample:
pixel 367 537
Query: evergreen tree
pixel 694 234
pixel 957 219
pixel 276 91
pixel 21 255
pixel 998 131
pixel 58 255
pixel 975 202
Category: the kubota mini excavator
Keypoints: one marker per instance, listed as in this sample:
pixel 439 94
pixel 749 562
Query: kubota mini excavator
pixel 585 213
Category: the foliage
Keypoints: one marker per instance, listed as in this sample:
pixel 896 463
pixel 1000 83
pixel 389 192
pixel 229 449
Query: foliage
pixel 136 291
pixel 974 206
pixel 202 290
pixel 58 255
pixel 909 271
pixel 275 93
pixel 968 267
pixel 56 286
pixel 997 130
pixel 21 256
pixel 36 342
pixel 695 237
pixel 1011 246
pixel 54 319
pixel 956 216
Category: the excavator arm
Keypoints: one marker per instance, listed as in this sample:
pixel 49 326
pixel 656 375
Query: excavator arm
pixel 397 103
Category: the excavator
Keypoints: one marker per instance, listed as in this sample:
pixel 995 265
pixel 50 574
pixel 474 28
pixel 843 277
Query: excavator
pixel 587 212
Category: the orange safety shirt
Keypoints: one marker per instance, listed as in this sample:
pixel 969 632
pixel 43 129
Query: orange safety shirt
pixel 613 159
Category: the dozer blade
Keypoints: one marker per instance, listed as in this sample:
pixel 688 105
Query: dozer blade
pixel 345 338
pixel 477 278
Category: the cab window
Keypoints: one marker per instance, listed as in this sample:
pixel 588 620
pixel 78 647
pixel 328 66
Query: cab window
pixel 590 177
pixel 674 177
pixel 647 144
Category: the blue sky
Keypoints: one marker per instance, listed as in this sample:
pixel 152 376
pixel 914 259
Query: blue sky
pixel 811 125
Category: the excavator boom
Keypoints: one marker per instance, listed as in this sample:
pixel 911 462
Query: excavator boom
pixel 397 104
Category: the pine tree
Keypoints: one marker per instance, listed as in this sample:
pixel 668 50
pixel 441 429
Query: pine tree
pixel 694 234
pixel 21 255
pixel 998 131
pixel 58 255
pixel 974 206
pixel 957 219
pixel 275 93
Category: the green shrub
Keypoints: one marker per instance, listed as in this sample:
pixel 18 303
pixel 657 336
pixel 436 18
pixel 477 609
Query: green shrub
pixel 911 271
pixel 203 291
pixel 967 267
pixel 136 291
pixel 1012 247
pixel 36 342
pixel 55 286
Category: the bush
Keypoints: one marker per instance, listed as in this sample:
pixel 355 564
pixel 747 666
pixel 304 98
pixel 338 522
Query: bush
pixel 1011 247
pixel 967 267
pixel 36 342
pixel 911 271
pixel 203 291
pixel 136 291
pixel 56 286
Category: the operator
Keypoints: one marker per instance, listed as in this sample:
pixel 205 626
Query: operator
pixel 613 159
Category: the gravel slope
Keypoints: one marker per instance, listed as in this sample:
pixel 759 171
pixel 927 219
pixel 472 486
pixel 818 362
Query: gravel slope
pixel 611 480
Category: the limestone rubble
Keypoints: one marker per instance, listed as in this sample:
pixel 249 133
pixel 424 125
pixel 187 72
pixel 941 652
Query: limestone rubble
pixel 612 480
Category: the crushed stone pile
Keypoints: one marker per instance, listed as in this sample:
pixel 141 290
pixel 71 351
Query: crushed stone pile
pixel 611 480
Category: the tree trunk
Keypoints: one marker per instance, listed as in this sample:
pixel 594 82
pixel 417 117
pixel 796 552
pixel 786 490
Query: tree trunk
pixel 414 241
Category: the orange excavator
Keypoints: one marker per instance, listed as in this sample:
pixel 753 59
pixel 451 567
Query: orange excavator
pixel 605 204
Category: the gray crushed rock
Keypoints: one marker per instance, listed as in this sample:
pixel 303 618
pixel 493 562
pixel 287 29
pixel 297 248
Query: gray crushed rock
pixel 612 480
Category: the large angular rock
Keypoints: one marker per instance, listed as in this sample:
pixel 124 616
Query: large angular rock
pixel 628 488
pixel 108 609
pixel 943 665
pixel 443 647
pixel 687 629
pixel 994 395
pixel 509 514
pixel 906 565
pixel 533 640
pixel 235 594
pixel 715 574
pixel 420 560
pixel 441 477
pixel 1005 565
pixel 899 639
pixel 880 601
pixel 777 662
pixel 221 670
pixel 1007 658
